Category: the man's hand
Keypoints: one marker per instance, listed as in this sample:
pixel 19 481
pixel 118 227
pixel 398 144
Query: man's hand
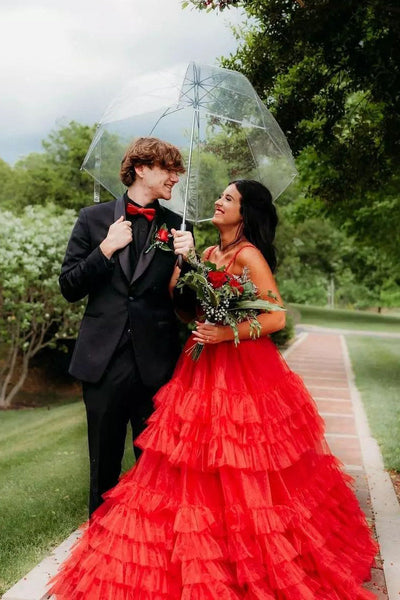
pixel 119 235
pixel 183 242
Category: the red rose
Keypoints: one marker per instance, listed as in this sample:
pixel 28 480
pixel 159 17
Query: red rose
pixel 218 278
pixel 236 285
pixel 162 235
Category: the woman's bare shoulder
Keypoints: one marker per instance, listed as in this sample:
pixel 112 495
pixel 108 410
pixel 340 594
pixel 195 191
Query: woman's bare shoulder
pixel 252 258
pixel 249 253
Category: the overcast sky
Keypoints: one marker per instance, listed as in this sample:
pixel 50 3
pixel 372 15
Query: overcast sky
pixel 64 60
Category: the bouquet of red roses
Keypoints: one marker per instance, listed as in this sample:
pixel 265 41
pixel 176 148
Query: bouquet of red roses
pixel 225 299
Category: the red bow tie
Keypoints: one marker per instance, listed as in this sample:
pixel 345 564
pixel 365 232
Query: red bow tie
pixel 149 213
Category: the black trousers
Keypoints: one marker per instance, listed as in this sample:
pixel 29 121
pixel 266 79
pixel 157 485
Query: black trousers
pixel 117 399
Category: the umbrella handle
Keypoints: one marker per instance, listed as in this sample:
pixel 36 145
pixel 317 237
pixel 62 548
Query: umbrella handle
pixel 180 257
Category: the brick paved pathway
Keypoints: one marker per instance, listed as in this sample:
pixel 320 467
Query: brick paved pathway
pixel 320 361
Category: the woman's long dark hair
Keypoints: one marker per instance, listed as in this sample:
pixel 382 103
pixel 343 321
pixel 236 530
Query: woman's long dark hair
pixel 259 217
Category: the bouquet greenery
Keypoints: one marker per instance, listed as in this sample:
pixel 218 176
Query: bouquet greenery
pixel 225 299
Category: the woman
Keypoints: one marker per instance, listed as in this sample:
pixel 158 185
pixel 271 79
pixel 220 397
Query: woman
pixel 236 495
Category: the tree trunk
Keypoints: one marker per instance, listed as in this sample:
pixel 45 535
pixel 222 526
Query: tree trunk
pixel 4 368
pixel 4 398
pixel 35 344
pixel 20 382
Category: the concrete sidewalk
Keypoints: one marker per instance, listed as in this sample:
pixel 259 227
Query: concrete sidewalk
pixel 322 360
pixel 303 327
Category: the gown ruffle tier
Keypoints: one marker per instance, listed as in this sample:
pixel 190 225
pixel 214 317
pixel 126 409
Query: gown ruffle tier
pixel 236 496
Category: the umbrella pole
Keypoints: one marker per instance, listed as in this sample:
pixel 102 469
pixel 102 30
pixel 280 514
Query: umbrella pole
pixel 183 224
pixel 96 184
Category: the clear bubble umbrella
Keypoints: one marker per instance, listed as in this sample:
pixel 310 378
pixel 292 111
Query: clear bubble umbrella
pixel 217 120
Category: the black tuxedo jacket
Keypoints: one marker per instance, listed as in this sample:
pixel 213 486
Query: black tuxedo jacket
pixel 119 299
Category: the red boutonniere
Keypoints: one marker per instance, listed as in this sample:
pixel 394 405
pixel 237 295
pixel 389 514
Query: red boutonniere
pixel 161 239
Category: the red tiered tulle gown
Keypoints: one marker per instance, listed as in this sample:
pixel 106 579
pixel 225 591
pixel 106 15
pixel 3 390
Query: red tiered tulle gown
pixel 235 496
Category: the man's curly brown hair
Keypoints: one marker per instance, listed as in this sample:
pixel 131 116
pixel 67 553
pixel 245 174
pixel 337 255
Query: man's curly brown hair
pixel 149 151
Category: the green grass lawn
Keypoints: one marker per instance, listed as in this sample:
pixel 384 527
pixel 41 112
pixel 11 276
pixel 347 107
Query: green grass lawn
pixel 345 319
pixel 43 483
pixel 376 366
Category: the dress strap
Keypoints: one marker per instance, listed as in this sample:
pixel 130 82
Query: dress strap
pixel 236 253
pixel 210 251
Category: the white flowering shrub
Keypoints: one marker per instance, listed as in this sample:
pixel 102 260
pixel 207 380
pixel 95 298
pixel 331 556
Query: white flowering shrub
pixel 33 314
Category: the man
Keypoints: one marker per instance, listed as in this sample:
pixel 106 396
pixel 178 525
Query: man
pixel 128 344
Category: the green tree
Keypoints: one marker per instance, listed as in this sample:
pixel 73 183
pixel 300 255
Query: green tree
pixel 6 176
pixel 53 175
pixel 330 72
pixel 33 313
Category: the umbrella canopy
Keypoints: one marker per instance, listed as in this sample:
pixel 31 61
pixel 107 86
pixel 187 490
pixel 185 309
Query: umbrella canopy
pixel 216 119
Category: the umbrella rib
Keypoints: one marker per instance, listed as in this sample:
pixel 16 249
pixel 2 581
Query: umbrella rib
pixel 250 125
pixel 171 110
pixel 193 86
pixel 219 83
pixel 102 183
pixel 210 91
pixel 252 154
pixel 265 128
pixel 165 113
pixel 202 85
pixel 93 143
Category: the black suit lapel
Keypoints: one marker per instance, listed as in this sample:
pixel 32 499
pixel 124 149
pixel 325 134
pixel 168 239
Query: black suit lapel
pixel 145 258
pixel 124 254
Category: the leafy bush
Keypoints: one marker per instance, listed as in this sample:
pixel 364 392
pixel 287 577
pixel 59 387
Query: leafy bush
pixel 34 315
pixel 284 336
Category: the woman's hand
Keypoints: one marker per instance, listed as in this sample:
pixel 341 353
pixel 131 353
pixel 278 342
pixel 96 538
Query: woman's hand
pixel 208 333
